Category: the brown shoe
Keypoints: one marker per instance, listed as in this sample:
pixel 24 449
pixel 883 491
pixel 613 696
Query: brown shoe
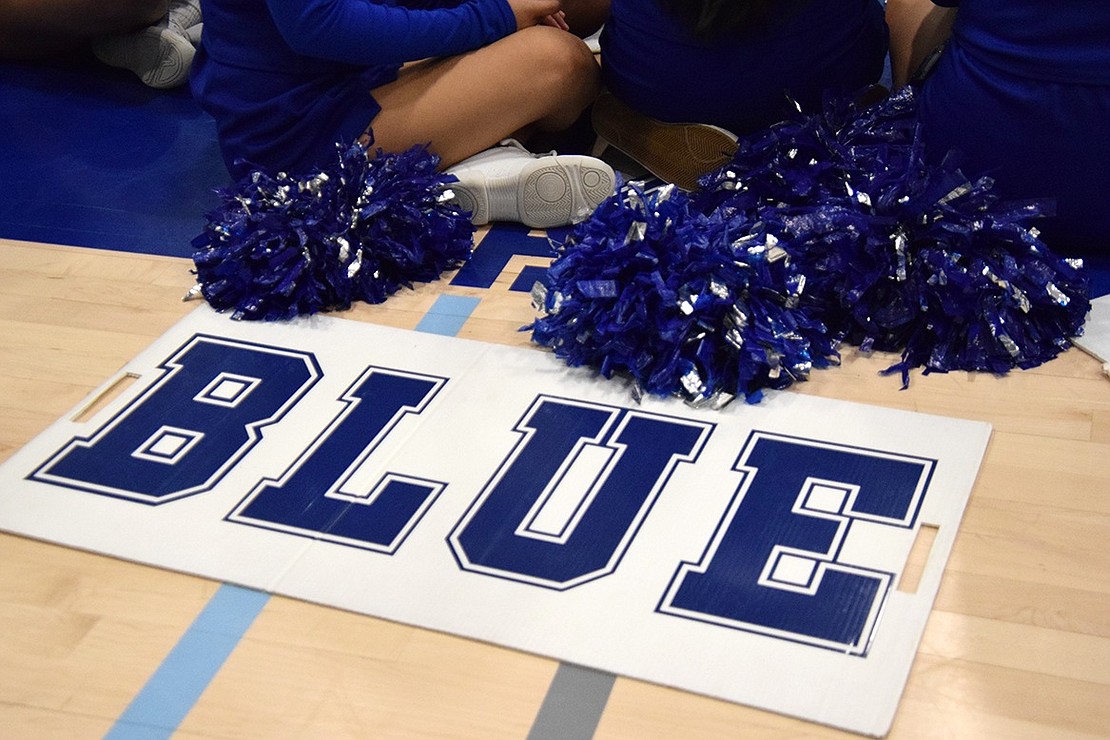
pixel 674 152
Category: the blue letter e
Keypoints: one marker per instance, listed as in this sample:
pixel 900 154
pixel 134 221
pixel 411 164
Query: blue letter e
pixel 774 565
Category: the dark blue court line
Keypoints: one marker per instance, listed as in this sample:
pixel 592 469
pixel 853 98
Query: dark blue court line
pixel 139 177
pixel 177 684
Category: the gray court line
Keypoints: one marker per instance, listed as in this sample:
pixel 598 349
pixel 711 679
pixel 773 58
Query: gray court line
pixel 573 705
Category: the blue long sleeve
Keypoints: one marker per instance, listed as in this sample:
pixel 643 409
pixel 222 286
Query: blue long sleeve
pixel 363 32
pixel 287 79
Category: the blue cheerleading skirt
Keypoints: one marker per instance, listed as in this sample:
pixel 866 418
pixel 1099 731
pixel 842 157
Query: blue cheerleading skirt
pixel 1037 138
pixel 742 84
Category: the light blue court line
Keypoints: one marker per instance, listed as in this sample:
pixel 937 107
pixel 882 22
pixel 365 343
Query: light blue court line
pixel 161 705
pixel 185 673
pixel 447 315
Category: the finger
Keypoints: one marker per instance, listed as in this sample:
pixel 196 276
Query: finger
pixel 556 20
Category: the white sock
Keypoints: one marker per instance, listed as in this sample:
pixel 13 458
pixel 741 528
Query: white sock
pixel 193 34
pixel 184 14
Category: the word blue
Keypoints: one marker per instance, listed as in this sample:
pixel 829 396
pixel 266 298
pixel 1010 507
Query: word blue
pixel 772 567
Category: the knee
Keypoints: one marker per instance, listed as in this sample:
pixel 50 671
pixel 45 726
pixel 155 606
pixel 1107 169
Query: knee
pixel 562 60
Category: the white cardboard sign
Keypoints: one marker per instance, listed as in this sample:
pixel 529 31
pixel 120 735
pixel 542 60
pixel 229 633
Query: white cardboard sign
pixel 752 554
pixel 1095 339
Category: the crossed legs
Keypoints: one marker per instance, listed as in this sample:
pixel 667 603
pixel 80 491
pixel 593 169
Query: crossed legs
pixel 539 78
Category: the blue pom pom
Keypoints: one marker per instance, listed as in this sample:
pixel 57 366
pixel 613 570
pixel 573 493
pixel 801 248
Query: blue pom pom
pixel 281 246
pixel 702 306
pixel 900 254
pixel 824 228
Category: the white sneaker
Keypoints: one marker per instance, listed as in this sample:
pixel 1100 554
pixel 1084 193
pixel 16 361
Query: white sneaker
pixel 509 183
pixel 192 33
pixel 183 15
pixel 160 56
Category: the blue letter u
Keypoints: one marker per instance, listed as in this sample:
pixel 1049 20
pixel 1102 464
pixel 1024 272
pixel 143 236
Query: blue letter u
pixel 635 453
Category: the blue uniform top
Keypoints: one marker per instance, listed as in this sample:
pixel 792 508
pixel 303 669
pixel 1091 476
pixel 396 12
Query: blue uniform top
pixel 1023 93
pixel 288 79
pixel 651 63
